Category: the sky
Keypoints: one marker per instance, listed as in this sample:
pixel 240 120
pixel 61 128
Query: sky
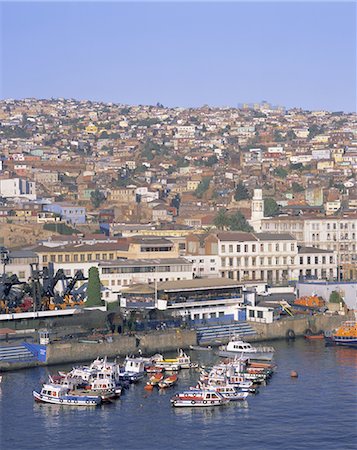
pixel 185 54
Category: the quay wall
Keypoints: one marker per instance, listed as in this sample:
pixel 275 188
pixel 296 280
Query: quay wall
pixel 298 325
pixel 156 341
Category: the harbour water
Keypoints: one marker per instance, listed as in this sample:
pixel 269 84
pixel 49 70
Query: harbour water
pixel 317 410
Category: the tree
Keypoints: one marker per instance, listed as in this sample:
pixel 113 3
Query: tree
pixel 296 187
pixel 280 172
pixel 94 288
pixel 237 222
pixel 335 297
pixel 241 192
pixel 97 198
pixel 233 222
pixel 202 187
pixel 221 219
pixel 271 208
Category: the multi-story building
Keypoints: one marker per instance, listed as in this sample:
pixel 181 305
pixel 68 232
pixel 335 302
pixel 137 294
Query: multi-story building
pixel 335 233
pixel 264 257
pixel 68 212
pixel 18 188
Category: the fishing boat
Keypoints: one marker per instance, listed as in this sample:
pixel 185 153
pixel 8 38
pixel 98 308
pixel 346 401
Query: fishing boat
pixel 59 395
pixel 346 334
pixel 182 361
pixel 168 382
pixel 198 398
pixel 133 371
pixel 239 347
pixel 314 336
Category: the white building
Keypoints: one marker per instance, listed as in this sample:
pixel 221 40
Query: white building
pixel 18 188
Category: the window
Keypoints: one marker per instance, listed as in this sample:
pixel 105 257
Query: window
pixel 89 257
pixel 238 248
pixel 53 258
pixel 331 259
pixel 276 247
pixel 97 256
pixel 223 248
pixel 324 260
pixel 44 258
pixel 251 313
pixel 67 258
pixel 231 249
pixel 309 259
pixel 83 257
pixel 22 274
pixel 292 247
pixel 60 258
pixel 75 258
pixel 230 262
pixel 262 247
pixel 316 259
pixel 246 248
pixel 260 314
pixel 253 248
pixel 111 255
pixel 301 260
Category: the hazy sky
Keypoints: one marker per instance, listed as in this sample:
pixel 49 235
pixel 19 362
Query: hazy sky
pixel 182 54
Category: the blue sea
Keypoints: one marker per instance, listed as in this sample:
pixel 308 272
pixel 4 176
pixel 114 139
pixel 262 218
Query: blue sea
pixel 317 410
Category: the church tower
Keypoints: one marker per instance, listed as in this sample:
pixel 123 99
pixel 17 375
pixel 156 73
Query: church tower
pixel 257 210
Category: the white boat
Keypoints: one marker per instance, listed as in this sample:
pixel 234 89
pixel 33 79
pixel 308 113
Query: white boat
pixel 198 398
pixel 133 371
pixel 57 394
pixel 228 391
pixel 238 347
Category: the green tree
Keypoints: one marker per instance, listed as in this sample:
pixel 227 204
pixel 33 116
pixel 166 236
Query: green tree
pixel 221 220
pixel 97 198
pixel 94 288
pixel 271 208
pixel 237 222
pixel 280 172
pixel 241 192
pixel 202 187
pixel 335 297
pixel 296 187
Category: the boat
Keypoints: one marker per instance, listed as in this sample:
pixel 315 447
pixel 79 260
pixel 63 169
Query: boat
pixel 182 361
pixel 168 382
pixel 198 398
pixel 346 334
pixel 133 371
pixel 154 369
pixel 245 349
pixel 314 336
pixel 228 391
pixel 57 394
pixel 155 379
pixel 198 348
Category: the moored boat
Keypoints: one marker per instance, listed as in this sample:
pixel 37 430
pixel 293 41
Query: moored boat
pixel 198 398
pixel 238 347
pixel 168 382
pixel 346 334
pixel 155 379
pixel 59 395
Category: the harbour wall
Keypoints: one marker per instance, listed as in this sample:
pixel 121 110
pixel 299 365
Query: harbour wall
pixel 296 326
pixel 74 351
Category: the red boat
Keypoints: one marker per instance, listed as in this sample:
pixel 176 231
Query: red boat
pixel 168 382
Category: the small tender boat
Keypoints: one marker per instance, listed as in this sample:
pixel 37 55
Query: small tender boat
pixel 238 347
pixel 314 336
pixel 155 379
pixel 154 369
pixel 59 395
pixel 168 382
pixel 198 398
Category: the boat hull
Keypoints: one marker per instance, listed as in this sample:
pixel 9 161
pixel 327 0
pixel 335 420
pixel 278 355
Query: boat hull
pixel 255 356
pixel 67 400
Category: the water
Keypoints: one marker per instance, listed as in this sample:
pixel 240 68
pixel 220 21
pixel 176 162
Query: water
pixel 315 411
